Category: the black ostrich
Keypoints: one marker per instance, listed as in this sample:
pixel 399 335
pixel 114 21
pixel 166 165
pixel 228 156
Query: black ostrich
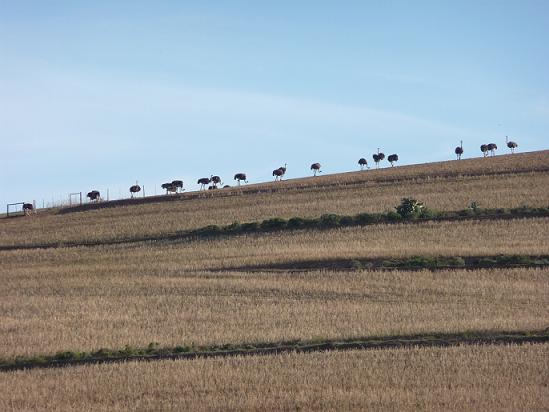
pixel 378 157
pixel 492 147
pixel 392 158
pixel 135 189
pixel 178 184
pixel 28 208
pixel 315 167
pixel 169 187
pixel 216 180
pixel 240 177
pixel 280 172
pixel 363 163
pixel 94 196
pixel 510 144
pixel 484 149
pixel 459 150
pixel 203 181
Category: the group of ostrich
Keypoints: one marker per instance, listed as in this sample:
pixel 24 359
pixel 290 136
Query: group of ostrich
pixel 213 182
pixel 490 147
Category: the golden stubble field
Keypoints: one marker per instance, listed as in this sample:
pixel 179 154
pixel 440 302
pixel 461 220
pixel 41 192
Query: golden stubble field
pixel 371 191
pixel 199 291
pixel 482 378
pixel 86 308
pixel 464 238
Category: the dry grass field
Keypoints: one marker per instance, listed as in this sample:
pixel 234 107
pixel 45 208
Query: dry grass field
pixel 476 378
pixel 464 238
pixel 371 191
pixel 220 290
pixel 87 308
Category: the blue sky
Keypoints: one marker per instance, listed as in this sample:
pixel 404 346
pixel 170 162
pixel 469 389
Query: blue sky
pixel 97 95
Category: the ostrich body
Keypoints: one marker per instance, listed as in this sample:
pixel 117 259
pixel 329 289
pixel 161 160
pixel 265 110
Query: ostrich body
pixel 315 167
pixel 378 157
pixel 510 144
pixel 28 208
pixel 459 150
pixel 484 149
pixel 240 177
pixel 169 187
pixel 94 196
pixel 279 173
pixel 203 181
pixel 216 180
pixel 135 189
pixel 392 158
pixel 492 147
pixel 363 163
pixel 178 184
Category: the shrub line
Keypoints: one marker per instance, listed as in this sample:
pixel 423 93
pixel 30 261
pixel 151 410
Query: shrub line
pixel 408 263
pixel 154 353
pixel 324 222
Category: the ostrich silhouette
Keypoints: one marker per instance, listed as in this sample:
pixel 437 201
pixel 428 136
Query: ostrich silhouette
pixel 459 150
pixel 239 177
pixel 510 144
pixel 280 172
pixel 203 181
pixel 315 167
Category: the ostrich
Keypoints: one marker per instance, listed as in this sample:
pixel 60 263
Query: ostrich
pixel 216 180
pixel 378 157
pixel 511 145
pixel 492 147
pixel 169 187
pixel 28 208
pixel 240 177
pixel 315 167
pixel 280 172
pixel 363 163
pixel 459 150
pixel 94 196
pixel 392 158
pixel 484 149
pixel 178 184
pixel 203 181
pixel 135 189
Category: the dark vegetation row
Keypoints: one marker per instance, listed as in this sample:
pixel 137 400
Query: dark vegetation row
pixel 154 352
pixel 411 263
pixel 409 211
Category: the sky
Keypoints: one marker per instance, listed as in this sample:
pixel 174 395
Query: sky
pixel 101 94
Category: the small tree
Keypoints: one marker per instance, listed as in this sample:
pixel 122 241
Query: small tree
pixel 410 208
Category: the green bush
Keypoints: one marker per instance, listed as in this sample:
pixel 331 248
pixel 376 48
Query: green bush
pixel 366 218
pixel 330 220
pixel 393 216
pixel 347 221
pixel 356 265
pixel 274 223
pixel 250 227
pixel 429 214
pixel 64 355
pixel 234 227
pixel 208 230
pixel 409 208
pixel 297 223
pixel 455 261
